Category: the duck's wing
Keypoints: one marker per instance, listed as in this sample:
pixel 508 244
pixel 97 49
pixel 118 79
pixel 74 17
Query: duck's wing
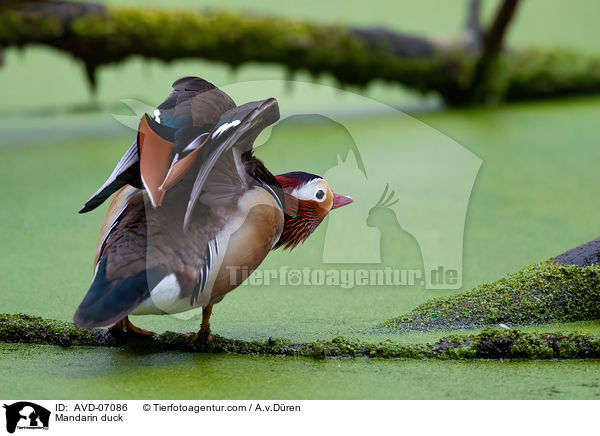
pixel 108 301
pixel 153 144
pixel 236 131
pixel 122 242
pixel 189 112
pixel 127 172
pixel 136 251
pixel 139 247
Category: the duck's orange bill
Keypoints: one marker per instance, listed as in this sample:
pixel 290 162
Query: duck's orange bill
pixel 340 200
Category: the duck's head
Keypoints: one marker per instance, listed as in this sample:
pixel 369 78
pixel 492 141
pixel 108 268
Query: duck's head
pixel 308 200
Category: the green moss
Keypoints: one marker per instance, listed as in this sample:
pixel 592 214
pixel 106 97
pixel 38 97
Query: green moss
pixel 118 33
pixel 541 293
pixel 545 74
pixel 103 36
pixel 489 344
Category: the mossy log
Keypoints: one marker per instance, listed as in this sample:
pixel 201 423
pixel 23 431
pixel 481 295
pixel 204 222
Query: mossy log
pixel 562 289
pixel 489 344
pixel 99 35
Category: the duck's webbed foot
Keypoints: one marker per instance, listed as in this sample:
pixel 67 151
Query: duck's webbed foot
pixel 127 327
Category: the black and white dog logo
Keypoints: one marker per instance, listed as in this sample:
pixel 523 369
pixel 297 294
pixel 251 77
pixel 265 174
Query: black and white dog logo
pixel 26 415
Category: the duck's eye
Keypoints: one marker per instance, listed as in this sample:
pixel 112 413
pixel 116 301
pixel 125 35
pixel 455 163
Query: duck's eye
pixel 320 194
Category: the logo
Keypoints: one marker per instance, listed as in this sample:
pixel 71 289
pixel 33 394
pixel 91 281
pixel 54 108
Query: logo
pixel 26 415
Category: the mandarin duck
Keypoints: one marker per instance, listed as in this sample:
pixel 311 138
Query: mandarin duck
pixel 192 204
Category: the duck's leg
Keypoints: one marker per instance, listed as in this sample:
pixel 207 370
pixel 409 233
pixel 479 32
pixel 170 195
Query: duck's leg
pixel 203 336
pixel 126 326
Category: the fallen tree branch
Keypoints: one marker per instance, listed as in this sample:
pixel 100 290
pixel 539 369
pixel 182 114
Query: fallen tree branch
pixel 98 36
pixel 489 344
pixel 102 36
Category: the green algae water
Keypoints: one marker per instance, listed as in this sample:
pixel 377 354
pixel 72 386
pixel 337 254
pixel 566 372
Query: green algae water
pixel 108 374
pixel 535 197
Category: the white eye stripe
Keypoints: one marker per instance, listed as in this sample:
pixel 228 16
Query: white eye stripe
pixel 309 190
pixel 224 127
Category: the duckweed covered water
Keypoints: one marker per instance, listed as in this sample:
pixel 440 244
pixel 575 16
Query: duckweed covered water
pixel 534 198
pixel 110 374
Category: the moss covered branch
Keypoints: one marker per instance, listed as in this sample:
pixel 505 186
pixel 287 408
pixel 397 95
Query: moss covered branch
pixel 109 35
pixel 101 36
pixel 563 289
pixel 489 344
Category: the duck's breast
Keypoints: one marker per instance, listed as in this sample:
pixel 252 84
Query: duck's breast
pixel 249 238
